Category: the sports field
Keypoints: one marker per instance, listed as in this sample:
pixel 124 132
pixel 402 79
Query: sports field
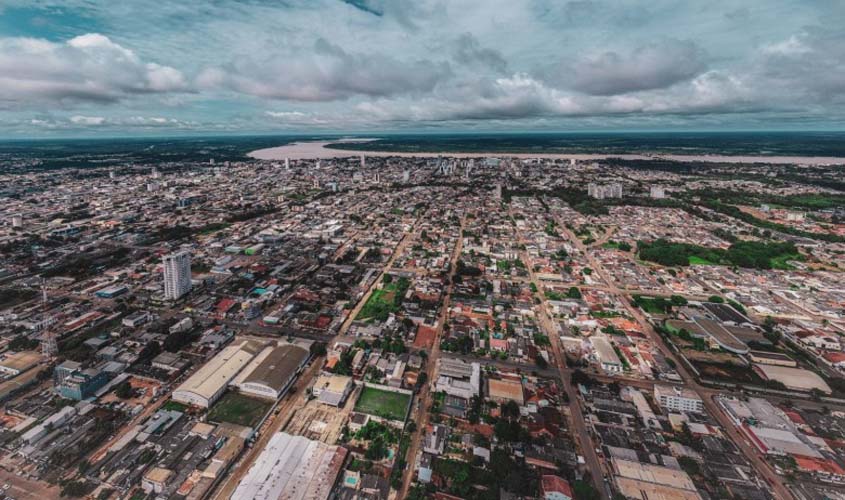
pixel 384 404
pixel 239 409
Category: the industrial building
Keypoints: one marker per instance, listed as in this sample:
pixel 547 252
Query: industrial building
pixel 678 399
pixel 16 363
pixel 272 372
pixel 606 354
pixel 643 480
pixel 458 378
pixel 208 383
pixel 332 389
pixel 795 379
pixel 293 467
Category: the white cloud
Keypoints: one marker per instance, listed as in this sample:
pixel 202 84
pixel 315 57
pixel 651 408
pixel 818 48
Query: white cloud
pixel 89 67
pixel 324 72
pixel 87 120
pixel 653 66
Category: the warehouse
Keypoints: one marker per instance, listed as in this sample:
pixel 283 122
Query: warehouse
pixel 332 389
pixel 504 390
pixel 795 379
pixel 606 355
pixel 293 467
pixel 206 386
pixel 16 363
pixel 271 373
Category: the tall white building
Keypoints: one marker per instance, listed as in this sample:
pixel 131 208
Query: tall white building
pixel 177 274
pixel 678 399
pixel 657 192
pixel 602 191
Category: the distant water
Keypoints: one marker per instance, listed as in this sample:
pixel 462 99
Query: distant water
pixel 806 144
pixel 83 153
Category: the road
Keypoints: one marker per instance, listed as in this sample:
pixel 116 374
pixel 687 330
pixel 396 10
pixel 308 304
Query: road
pixel 22 488
pixel 271 426
pixel 424 396
pixel 277 421
pixel 579 428
pixel 779 490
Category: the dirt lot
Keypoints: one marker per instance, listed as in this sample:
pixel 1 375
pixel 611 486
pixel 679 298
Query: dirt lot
pixel 143 389
pixel 320 422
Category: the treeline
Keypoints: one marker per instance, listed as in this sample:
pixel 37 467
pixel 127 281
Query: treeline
pixel 747 254
pixel 736 213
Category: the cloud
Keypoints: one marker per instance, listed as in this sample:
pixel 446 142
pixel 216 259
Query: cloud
pixel 87 120
pixel 807 66
pixel 326 72
pixel 468 51
pixel 257 65
pixel 654 66
pixel 86 68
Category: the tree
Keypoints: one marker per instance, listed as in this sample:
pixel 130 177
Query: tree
pixel 678 300
pixel 124 390
pixel 583 490
pixel 581 378
pixel 319 349
pixel 510 409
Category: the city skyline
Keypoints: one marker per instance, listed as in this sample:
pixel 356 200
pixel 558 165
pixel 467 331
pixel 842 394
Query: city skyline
pixel 89 68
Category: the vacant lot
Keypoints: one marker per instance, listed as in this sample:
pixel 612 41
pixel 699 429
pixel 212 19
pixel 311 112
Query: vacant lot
pixel 239 409
pixel 383 404
pixel 386 300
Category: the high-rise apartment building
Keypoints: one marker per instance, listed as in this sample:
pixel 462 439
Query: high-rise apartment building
pixel 177 274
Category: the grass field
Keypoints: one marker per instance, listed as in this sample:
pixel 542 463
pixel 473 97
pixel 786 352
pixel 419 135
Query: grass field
pixel 385 300
pixel 698 261
pixel 781 262
pixel 239 409
pixel 383 404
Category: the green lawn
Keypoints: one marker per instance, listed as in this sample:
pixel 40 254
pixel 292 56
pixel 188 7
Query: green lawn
pixel 383 404
pixel 781 263
pixel 653 305
pixel 698 261
pixel 174 406
pixel 239 409
pixel 385 300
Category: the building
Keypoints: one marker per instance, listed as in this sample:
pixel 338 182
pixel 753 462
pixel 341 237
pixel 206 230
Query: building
pixel 81 384
pixel 644 480
pixel 555 488
pixel 18 362
pixel 458 378
pixel 435 441
pixel 795 379
pixel 504 390
pixel 170 362
pixel 606 355
pixel 657 192
pixel 155 480
pixel 771 358
pixel 292 467
pixel 177 274
pixel 112 291
pixel 273 371
pixel 332 389
pixel 136 319
pixel 678 399
pixel 208 383
pixel 602 191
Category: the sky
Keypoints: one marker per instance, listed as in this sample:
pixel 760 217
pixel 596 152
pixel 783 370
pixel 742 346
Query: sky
pixel 128 67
